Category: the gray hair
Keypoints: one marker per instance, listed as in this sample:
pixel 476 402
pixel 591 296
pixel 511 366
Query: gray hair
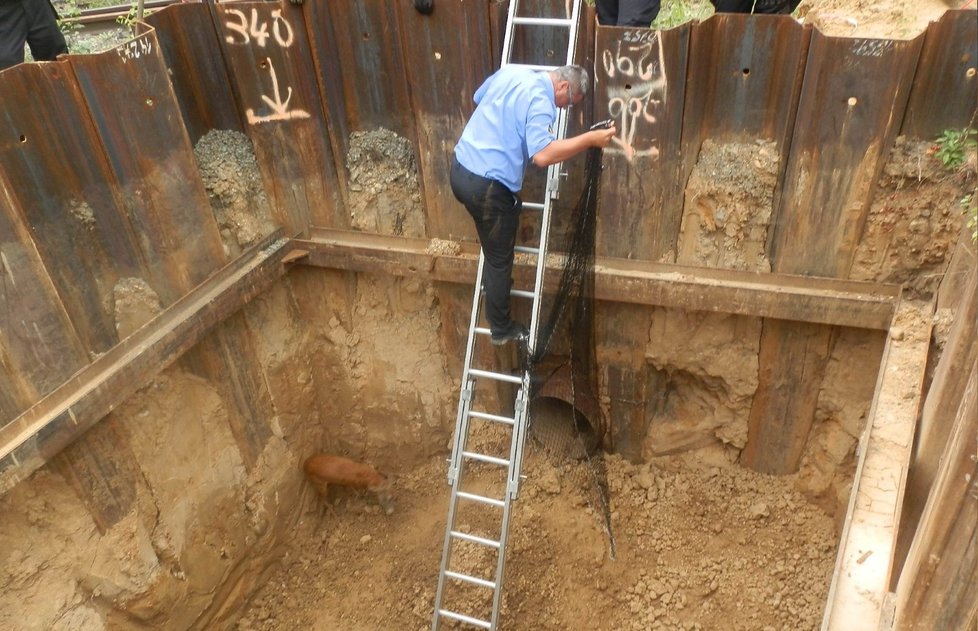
pixel 577 77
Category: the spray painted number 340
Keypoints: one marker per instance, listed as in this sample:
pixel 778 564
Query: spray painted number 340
pixel 253 29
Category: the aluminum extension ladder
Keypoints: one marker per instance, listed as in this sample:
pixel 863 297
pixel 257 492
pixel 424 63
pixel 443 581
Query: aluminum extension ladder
pixel 500 507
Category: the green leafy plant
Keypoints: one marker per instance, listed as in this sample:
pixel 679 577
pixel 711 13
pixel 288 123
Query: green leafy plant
pixel 675 12
pixel 970 205
pixel 68 19
pixel 129 17
pixel 953 145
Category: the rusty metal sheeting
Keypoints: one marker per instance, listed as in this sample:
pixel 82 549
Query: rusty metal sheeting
pixel 945 88
pixel 200 80
pixel 53 157
pixel 443 77
pixel 852 100
pixel 640 84
pixel 266 50
pixel 744 78
pixel 363 79
pixel 137 118
pixel 38 346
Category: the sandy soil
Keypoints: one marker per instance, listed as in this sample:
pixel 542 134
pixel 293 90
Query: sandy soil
pixel 698 546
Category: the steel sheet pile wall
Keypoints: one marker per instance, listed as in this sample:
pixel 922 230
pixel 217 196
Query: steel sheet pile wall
pixel 99 185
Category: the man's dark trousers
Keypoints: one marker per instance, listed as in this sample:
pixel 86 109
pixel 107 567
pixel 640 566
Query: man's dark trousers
pixel 639 13
pixel 34 22
pixel 496 212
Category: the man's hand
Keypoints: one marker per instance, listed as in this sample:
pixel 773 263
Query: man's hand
pixel 601 138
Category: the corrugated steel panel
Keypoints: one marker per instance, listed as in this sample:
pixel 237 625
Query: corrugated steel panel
pixel 443 77
pixel 61 181
pixel 852 100
pixel 744 80
pixel 640 83
pixel 362 73
pixel 196 65
pixel 38 346
pixel 138 120
pixel 267 54
pixel 945 88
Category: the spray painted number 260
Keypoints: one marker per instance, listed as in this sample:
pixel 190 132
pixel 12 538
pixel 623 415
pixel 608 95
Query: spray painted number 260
pixel 256 30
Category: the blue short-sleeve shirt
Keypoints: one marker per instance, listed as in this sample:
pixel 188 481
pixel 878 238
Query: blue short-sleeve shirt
pixel 513 120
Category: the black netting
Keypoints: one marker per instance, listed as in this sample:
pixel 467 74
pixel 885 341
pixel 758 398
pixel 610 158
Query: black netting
pixel 565 347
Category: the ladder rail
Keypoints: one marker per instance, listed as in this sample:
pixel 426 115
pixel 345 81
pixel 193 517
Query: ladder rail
pixel 520 418
pixel 467 388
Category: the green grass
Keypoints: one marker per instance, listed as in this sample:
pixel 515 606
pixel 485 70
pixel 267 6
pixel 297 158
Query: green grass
pixel 676 12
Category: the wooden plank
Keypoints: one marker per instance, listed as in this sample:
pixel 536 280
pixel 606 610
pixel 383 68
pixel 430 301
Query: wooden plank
pixel 944 395
pixel 640 83
pixel 102 471
pixel 91 393
pixel 196 66
pixel 853 96
pixel 947 67
pixel 52 151
pixel 228 361
pixel 791 366
pixel 273 78
pixel 825 301
pixel 860 580
pixel 38 345
pixel 443 77
pixel 937 588
pixel 138 120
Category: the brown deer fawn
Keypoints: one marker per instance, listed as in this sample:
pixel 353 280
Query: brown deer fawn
pixel 324 469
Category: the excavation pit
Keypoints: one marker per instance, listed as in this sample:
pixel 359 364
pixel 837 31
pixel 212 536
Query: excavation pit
pixel 268 263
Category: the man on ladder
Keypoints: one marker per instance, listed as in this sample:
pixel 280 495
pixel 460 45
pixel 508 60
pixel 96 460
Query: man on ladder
pixel 513 124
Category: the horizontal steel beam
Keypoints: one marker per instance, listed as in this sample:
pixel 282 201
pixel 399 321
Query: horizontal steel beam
pixel 799 298
pixel 47 427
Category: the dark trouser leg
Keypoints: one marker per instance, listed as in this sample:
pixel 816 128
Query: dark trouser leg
pixel 13 34
pixel 637 12
pixel 496 213
pixel 607 12
pixel 44 38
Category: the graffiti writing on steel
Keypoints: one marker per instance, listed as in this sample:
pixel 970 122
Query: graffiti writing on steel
pixel 253 30
pixel 280 108
pixel 243 30
pixel 134 49
pixel 636 81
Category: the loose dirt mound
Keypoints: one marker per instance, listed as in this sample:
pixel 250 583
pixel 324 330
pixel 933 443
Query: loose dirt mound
pixel 227 165
pixel 699 547
pixel 914 221
pixel 384 193
pixel 729 201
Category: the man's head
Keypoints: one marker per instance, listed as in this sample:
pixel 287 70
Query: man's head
pixel 570 85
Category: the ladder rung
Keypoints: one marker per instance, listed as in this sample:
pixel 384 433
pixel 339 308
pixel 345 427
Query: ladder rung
pixel 470 579
pixel 474 539
pixel 532 206
pixel 522 293
pixel 525 249
pixel 481 330
pixel 495 375
pixel 463 618
pixel 481 499
pixel 543 21
pixel 492 417
pixel 484 458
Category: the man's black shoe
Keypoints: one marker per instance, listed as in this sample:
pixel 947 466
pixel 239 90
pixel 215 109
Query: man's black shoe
pixel 516 331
